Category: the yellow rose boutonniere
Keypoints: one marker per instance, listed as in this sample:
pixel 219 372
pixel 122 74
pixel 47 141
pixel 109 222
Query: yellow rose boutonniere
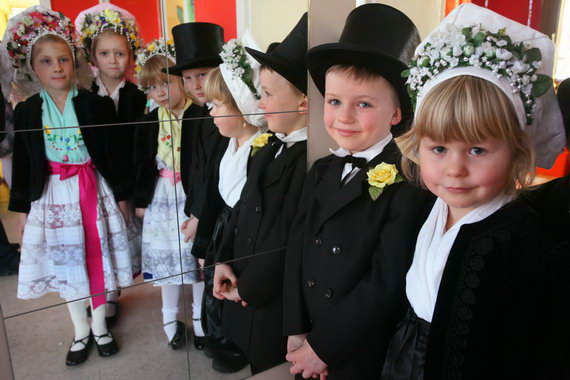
pixel 259 142
pixel 380 176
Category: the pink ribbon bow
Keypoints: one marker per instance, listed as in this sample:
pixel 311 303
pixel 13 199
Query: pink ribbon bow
pixel 88 205
pixel 172 176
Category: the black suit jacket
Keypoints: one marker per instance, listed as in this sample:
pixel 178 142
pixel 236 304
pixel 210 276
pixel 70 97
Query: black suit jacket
pixel 146 147
pixel 205 142
pixel 260 224
pixel 29 161
pixel 132 103
pixel 347 260
pixel 502 307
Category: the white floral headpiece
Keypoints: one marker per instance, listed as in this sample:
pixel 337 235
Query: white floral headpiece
pixel 92 21
pixel 241 74
pixel 25 29
pixel 156 47
pixel 475 41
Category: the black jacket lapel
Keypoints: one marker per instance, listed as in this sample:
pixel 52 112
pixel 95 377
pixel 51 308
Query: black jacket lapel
pixel 276 168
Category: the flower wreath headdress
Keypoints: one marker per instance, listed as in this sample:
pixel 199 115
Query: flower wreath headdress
pixel 25 29
pixel 475 41
pixel 156 47
pixel 241 74
pixel 93 21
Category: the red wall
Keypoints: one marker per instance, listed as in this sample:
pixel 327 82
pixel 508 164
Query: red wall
pixel 221 12
pixel 516 10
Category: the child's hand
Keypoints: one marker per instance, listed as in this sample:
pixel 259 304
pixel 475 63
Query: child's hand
pixel 231 294
pixel 189 228
pixel 294 342
pixel 306 362
pixel 124 208
pixel 21 224
pixel 139 212
pixel 223 277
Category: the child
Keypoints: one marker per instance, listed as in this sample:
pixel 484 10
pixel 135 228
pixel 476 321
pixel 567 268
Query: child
pixel 159 194
pixel 260 221
pixel 198 45
pixel 110 38
pixel 231 93
pixel 347 253
pixel 74 238
pixel 488 296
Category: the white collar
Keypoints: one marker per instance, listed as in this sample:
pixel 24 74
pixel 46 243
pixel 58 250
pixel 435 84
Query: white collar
pixel 369 153
pixel 293 137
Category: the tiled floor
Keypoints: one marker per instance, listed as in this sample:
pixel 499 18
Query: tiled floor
pixel 39 332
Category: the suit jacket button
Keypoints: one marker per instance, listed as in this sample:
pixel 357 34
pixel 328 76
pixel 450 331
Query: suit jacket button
pixel 236 231
pixel 311 283
pixel 329 293
pixel 258 208
pixel 318 242
pixel 336 250
pixel 249 241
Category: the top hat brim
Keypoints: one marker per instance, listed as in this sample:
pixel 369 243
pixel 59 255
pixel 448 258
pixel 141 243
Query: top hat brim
pixel 323 57
pixel 286 69
pixel 177 69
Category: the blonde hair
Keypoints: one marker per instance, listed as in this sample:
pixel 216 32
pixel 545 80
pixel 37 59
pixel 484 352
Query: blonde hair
pixel 49 38
pixel 216 88
pixel 108 32
pixel 151 72
pixel 470 109
pixel 362 74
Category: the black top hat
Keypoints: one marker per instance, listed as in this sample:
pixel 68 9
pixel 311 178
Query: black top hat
pixel 377 37
pixel 288 58
pixel 197 44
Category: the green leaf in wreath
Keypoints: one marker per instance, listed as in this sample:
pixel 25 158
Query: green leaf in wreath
pixel 533 55
pixel 542 85
pixel 405 73
pixel 374 192
pixel 478 39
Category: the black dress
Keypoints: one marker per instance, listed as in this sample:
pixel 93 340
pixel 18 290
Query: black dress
pixel 501 310
pixel 260 224
pixel 347 258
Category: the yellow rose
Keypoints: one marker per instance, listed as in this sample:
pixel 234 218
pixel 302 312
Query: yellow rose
pixel 382 175
pixel 261 141
pixel 151 48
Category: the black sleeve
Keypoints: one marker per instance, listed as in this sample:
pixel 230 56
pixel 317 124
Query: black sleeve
pixel 262 278
pixel 19 193
pixel 144 164
pixel 376 304
pixel 295 316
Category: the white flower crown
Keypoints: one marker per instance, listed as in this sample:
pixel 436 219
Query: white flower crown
pixel 156 47
pixel 473 45
pixel 234 56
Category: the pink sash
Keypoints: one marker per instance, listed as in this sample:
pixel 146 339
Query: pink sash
pixel 172 176
pixel 88 204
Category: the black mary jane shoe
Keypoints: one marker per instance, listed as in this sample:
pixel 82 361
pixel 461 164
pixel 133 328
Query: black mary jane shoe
pixel 179 337
pixel 106 349
pixel 78 357
pixel 199 342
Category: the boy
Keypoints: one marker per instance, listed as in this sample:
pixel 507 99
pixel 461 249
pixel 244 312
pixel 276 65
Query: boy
pixel 346 261
pixel 262 217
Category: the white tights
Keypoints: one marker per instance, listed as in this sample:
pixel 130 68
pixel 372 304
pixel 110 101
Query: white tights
pixel 170 299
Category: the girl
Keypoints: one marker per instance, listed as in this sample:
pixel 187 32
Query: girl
pixel 487 293
pixel 74 238
pixel 111 39
pixel 231 94
pixel 159 193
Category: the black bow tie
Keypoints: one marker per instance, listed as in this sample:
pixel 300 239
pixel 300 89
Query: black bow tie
pixel 357 162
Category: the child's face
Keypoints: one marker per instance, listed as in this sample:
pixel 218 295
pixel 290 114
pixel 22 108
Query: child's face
pixel 359 113
pixel 160 92
pixel 465 176
pixel 194 80
pixel 112 56
pixel 278 95
pixel 228 126
pixel 53 64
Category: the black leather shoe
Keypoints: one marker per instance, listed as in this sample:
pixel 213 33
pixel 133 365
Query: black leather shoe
pixel 106 349
pixel 77 357
pixel 229 361
pixel 179 337
pixel 199 342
